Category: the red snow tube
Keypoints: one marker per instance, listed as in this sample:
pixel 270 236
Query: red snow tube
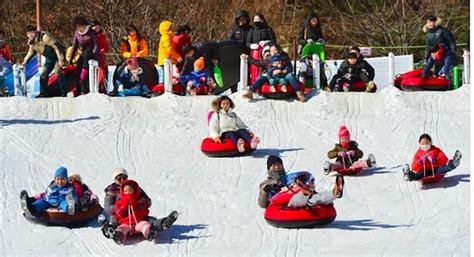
pixel 430 83
pixel 176 89
pixel 253 69
pixel 307 217
pixel 412 81
pixel 265 91
pixel 414 73
pixel 71 75
pixel 359 86
pixel 432 179
pixel 225 149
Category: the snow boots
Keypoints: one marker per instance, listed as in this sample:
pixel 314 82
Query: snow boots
pixel 168 221
pixel 371 161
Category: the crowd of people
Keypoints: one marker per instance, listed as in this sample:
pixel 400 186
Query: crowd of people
pixel 90 43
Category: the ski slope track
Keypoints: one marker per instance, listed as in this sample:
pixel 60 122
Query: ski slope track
pixel 158 141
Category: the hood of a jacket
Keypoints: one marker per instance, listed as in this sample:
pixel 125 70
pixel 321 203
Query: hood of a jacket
pixel 165 27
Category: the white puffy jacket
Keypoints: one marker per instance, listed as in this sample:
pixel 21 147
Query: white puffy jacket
pixel 223 121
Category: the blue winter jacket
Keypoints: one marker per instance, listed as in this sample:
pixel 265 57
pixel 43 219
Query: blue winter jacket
pixel 289 178
pixel 125 80
pixel 54 195
pixel 195 77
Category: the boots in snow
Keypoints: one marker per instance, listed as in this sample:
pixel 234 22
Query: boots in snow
pixel 371 161
pixel 327 167
pixel 168 221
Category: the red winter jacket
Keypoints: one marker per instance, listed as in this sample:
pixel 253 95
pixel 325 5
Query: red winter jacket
pixel 102 42
pixel 181 41
pixel 78 189
pixel 135 201
pixel 5 52
pixel 434 153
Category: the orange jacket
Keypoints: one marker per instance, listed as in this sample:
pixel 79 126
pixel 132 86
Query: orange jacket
pixel 133 46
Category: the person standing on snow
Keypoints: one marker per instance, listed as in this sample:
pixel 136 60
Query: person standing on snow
pixel 53 50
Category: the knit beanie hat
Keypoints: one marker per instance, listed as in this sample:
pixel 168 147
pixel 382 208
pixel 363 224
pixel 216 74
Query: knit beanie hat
pixel 272 159
pixel 61 172
pixel 119 171
pixel 199 64
pixel 76 177
pixel 344 132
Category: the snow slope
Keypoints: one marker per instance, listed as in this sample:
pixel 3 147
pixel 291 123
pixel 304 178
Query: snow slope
pixel 158 141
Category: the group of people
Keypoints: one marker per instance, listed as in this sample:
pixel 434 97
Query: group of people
pixel 196 61
pixel 126 205
pixel 226 124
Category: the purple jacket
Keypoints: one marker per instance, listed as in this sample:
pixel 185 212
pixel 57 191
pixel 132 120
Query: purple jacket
pixel 87 41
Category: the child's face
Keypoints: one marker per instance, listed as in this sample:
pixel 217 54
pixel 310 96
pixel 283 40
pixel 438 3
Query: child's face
pixel 273 50
pixel 132 33
pixel 344 140
pixel 276 64
pixel 60 181
pixel 128 190
pixel 97 28
pixel 352 60
pixel 313 22
pixel 225 104
pixel 425 144
pixel 266 55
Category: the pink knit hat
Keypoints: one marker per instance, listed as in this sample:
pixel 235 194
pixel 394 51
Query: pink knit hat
pixel 343 132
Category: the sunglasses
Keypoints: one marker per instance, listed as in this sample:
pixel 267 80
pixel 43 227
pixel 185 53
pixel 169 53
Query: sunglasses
pixel 121 177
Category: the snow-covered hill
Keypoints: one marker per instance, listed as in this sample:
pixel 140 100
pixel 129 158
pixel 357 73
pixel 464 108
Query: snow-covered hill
pixel 158 141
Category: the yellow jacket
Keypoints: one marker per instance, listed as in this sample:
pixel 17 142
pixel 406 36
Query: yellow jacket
pixel 166 48
pixel 131 46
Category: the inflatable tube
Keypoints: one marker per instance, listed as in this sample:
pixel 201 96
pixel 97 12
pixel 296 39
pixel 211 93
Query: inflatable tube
pixel 432 179
pixel 224 149
pixel 53 217
pixel 428 84
pixel 308 217
pixel 149 70
pixel 411 74
pixel 265 91
pixel 253 69
pixel 71 74
pixel 359 86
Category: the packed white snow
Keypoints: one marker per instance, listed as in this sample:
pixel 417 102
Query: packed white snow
pixel 158 141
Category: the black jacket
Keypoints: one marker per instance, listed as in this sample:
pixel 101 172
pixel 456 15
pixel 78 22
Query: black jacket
pixel 440 35
pixel 345 68
pixel 308 32
pixel 363 65
pixel 259 33
pixel 240 33
pixel 208 49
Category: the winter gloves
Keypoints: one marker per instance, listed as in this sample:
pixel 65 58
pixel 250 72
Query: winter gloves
pixel 342 154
